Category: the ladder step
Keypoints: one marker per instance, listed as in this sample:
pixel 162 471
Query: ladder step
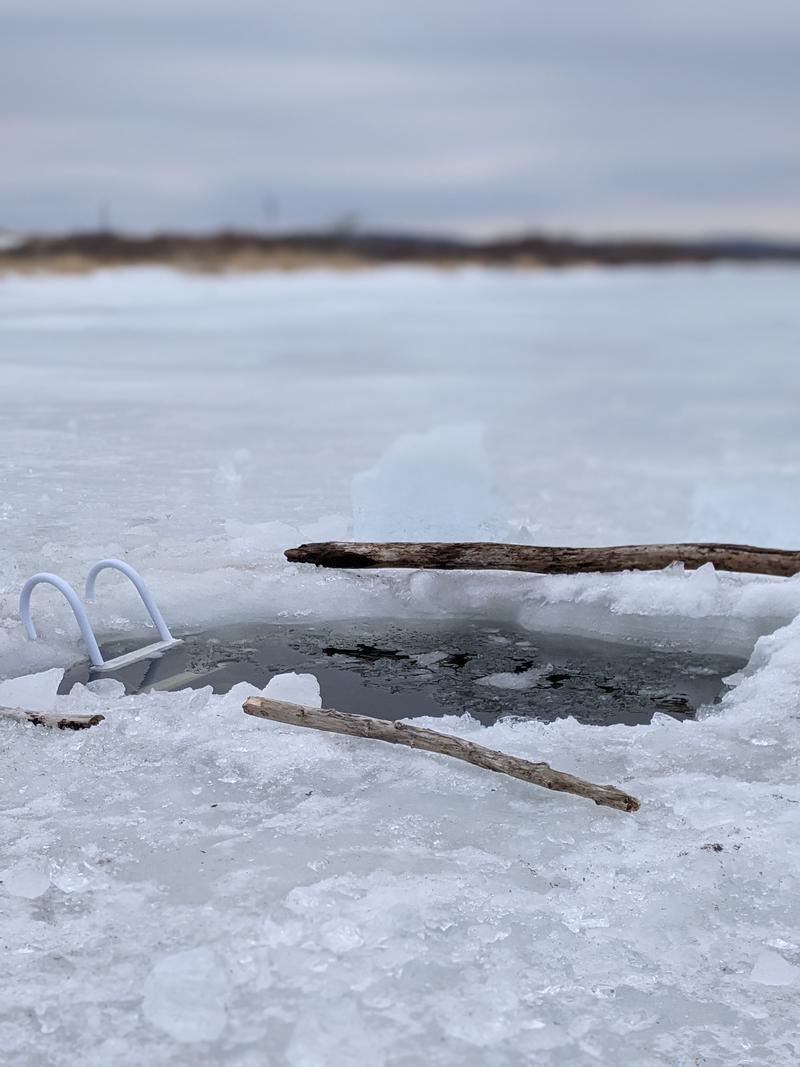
pixel 147 652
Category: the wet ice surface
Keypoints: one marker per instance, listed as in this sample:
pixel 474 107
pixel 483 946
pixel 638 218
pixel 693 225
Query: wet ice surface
pixel 185 884
pixel 378 667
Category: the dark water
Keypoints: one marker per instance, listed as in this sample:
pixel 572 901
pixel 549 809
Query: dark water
pixel 394 671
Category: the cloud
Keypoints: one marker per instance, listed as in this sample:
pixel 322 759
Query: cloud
pixel 571 114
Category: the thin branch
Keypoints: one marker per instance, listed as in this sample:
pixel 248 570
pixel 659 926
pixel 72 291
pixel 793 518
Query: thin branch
pixel 403 733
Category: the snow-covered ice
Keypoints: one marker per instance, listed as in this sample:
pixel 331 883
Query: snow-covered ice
pixel 185 884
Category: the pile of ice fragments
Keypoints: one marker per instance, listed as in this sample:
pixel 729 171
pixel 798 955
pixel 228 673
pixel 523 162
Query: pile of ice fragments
pixel 267 894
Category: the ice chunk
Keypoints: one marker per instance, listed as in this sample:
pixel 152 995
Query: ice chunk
pixel 185 995
pixel 34 692
pixel 772 969
pixel 515 679
pixel 29 880
pixel 295 689
pixel 429 659
pixel 110 688
pixel 435 486
pixel 70 878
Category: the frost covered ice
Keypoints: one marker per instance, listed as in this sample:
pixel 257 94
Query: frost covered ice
pixel 185 884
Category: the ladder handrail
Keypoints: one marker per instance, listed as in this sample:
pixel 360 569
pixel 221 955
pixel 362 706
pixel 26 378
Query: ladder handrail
pixel 141 588
pixel 72 598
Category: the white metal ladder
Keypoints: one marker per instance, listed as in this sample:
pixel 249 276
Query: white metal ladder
pixel 166 640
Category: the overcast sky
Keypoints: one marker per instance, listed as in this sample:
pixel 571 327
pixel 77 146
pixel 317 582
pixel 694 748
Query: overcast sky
pixel 589 115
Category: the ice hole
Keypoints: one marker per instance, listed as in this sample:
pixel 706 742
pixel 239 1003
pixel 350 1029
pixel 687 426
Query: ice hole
pixel 397 670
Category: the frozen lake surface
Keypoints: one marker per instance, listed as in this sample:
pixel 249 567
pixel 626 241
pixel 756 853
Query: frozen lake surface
pixel 184 884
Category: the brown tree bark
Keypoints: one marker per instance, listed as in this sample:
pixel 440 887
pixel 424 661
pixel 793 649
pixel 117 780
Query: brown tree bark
pixel 488 555
pixel 54 720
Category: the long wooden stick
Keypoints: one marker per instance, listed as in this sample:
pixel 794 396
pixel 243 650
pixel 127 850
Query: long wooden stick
pixel 402 733
pixel 489 555
pixel 58 722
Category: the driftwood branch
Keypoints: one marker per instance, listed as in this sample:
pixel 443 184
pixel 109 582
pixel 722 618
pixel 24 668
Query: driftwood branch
pixel 45 718
pixel 489 555
pixel 402 733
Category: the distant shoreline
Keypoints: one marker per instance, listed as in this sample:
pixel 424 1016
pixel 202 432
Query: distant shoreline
pixel 242 251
